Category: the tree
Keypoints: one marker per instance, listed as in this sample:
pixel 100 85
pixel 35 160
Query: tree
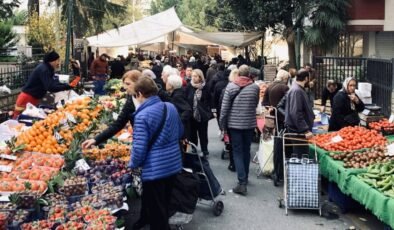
pixel 114 21
pixel 8 38
pixel 33 6
pixel 328 21
pixel 6 8
pixel 286 16
pixel 209 15
pixel 47 33
pixel 89 15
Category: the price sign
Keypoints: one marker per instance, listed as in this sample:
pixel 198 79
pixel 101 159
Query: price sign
pixel 71 118
pixel 391 119
pixel 336 139
pixel 57 136
pixel 8 157
pixel 115 116
pixel 81 164
pixel 5 168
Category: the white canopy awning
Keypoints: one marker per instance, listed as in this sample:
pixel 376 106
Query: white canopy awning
pixel 155 28
pixel 231 39
pixel 142 31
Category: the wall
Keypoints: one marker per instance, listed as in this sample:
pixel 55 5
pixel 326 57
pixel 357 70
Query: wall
pixel 385 45
pixel 389 16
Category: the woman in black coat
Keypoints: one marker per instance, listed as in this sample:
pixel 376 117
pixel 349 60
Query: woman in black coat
pixel 346 106
pixel 177 97
pixel 128 109
pixel 198 96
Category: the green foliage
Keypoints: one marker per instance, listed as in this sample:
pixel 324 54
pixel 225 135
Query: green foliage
pixel 116 20
pixel 329 20
pixel 19 18
pixel 89 15
pixel 47 32
pixel 209 15
pixel 6 8
pixel 8 38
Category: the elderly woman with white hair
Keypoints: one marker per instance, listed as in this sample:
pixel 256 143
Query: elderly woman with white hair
pixel 178 98
pixel 275 92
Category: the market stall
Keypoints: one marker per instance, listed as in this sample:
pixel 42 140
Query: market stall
pixel 358 161
pixel 48 182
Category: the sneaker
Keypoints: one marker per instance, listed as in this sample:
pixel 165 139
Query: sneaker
pixel 206 153
pixel 240 189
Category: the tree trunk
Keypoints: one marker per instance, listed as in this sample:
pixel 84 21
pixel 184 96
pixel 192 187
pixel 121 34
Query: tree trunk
pixel 290 39
pixel 33 7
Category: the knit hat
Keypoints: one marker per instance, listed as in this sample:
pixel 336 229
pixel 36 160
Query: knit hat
pixel 51 56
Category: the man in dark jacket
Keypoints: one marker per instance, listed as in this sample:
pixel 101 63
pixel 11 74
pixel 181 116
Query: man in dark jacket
pixel 212 70
pixel 329 92
pixel 117 68
pixel 299 114
pixel 221 81
pixel 41 80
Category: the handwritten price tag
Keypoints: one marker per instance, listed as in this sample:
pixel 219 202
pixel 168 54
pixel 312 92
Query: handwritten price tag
pixel 5 168
pixel 81 164
pixel 71 118
pixel 8 157
pixel 336 139
pixel 57 136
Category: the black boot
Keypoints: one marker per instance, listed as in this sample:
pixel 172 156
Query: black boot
pixel 231 167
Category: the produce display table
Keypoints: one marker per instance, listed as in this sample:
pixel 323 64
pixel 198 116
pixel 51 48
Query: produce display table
pixel 348 182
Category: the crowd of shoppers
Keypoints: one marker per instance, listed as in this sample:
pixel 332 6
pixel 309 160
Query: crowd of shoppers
pixel 169 103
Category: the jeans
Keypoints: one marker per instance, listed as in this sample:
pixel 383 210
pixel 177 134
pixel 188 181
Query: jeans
pixel 99 84
pixel 241 141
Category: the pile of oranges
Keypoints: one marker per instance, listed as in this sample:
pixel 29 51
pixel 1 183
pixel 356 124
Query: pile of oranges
pixel 54 134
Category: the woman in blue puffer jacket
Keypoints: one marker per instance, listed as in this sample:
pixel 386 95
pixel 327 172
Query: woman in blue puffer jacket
pixel 158 155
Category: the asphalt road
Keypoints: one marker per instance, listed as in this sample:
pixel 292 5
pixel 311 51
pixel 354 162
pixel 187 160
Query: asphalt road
pixel 259 209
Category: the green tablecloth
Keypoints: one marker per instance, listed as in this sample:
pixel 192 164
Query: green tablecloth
pixel 334 171
pixel 379 204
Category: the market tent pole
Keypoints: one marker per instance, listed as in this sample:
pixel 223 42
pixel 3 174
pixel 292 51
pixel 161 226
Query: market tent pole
pixel 68 42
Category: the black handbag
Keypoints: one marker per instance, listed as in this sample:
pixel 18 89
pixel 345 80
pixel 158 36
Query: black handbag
pixel 205 113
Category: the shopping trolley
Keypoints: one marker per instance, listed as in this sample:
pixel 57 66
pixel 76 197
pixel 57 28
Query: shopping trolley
pixel 208 193
pixel 301 188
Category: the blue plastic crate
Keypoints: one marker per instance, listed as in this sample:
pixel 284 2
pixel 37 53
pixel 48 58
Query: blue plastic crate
pixel 344 202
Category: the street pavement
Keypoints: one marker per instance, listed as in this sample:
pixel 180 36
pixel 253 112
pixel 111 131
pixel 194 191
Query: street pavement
pixel 259 209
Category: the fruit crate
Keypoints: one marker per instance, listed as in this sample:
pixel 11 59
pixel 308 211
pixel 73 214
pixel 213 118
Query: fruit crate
pixel 387 131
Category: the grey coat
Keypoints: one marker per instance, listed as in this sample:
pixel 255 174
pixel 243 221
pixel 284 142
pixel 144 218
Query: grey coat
pixel 241 114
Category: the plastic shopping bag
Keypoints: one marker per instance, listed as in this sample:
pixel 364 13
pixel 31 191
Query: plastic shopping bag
pixel 265 156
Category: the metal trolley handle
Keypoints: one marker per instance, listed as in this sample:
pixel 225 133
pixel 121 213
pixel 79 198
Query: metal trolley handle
pixel 293 136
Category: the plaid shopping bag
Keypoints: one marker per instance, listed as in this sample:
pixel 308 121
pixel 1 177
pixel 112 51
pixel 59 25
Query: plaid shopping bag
pixel 302 183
